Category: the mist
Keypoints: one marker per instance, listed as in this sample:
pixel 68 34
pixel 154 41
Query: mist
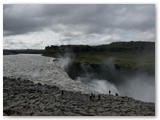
pixel 65 61
pixel 138 85
pixel 103 86
pixel 141 87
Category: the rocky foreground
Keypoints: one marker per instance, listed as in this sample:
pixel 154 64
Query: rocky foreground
pixel 25 98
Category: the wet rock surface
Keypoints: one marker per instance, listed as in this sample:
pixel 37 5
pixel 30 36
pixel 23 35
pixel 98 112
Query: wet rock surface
pixel 25 98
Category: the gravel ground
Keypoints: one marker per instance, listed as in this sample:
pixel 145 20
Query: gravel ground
pixel 25 98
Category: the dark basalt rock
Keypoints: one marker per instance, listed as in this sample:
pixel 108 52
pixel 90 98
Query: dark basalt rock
pixel 25 98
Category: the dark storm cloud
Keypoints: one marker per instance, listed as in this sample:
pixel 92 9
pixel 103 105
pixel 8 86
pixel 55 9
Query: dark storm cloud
pixel 19 22
pixel 21 19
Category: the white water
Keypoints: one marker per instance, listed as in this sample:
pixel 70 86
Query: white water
pixel 41 69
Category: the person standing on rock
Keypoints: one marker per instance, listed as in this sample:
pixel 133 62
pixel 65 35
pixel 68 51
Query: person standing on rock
pixel 99 97
pixel 109 92
pixel 116 94
pixel 62 93
pixel 92 96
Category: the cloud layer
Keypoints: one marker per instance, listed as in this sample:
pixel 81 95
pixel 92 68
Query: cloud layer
pixel 36 26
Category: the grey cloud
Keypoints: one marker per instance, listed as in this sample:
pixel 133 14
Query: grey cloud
pixel 95 18
pixel 39 25
pixel 14 45
pixel 15 23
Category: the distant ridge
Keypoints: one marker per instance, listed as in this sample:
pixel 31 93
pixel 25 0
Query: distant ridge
pixel 113 47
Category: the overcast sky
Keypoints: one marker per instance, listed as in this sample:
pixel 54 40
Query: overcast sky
pixel 37 26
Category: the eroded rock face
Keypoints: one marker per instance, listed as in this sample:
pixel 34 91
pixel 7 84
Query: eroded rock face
pixel 23 97
pixel 40 69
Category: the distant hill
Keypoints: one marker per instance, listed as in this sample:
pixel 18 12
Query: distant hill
pixel 22 51
pixel 60 50
pixel 113 47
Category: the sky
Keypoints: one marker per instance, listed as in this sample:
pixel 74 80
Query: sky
pixel 35 26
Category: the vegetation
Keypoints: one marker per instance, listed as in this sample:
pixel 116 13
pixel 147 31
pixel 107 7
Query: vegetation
pixel 129 55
